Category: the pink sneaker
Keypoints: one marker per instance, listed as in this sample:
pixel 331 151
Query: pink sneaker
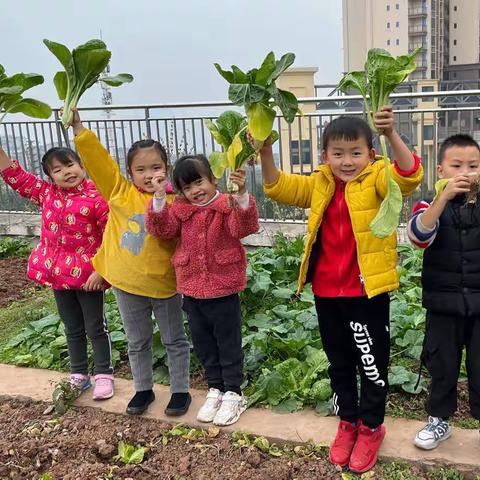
pixel 103 386
pixel 80 382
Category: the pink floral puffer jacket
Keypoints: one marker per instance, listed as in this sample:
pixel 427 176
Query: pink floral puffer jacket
pixel 73 221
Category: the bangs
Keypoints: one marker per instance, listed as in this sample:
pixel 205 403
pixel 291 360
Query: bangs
pixel 190 169
pixel 347 128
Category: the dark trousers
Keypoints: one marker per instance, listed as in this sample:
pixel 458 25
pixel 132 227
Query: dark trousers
pixel 445 337
pixel 355 337
pixel 215 324
pixel 82 314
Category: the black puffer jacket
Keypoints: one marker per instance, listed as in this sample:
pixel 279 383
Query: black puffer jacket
pixel 451 264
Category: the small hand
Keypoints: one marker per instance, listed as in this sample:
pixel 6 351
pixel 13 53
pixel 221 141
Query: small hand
pixel 239 177
pixel 93 283
pixel 456 185
pixel 159 184
pixel 267 146
pixel 77 125
pixel 384 121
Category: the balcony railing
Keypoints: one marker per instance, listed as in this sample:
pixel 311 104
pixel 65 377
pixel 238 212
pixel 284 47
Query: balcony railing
pixel 417 12
pixel 180 127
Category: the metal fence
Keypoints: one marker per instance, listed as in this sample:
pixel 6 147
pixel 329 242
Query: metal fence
pixel 180 128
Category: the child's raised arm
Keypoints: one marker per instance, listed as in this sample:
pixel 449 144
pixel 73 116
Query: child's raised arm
pixel 101 167
pixel 26 184
pixel 290 189
pixel 385 124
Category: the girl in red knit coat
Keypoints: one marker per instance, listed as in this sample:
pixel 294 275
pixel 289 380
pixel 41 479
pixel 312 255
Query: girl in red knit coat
pixel 210 265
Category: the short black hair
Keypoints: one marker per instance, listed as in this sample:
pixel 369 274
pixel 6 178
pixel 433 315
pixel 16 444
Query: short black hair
pixel 458 140
pixel 189 168
pixel 347 128
pixel 146 143
pixel 62 154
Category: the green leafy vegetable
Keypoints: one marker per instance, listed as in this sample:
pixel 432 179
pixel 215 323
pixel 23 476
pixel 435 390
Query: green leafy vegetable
pixel 11 99
pixel 83 67
pixel 128 454
pixel 257 92
pixel 382 74
pixel 230 131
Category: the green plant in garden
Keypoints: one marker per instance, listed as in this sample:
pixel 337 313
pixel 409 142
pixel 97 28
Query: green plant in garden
pixel 382 74
pixel 128 454
pixel 14 247
pixel 83 67
pixel 11 95
pixel 64 396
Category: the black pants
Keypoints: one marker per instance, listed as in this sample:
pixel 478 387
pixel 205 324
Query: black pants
pixel 82 314
pixel 445 337
pixel 215 324
pixel 355 337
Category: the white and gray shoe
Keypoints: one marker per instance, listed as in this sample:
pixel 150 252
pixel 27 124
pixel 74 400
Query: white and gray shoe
pixel 211 406
pixel 233 405
pixel 434 432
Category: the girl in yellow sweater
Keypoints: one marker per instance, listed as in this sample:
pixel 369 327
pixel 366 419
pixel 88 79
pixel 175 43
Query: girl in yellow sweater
pixel 138 266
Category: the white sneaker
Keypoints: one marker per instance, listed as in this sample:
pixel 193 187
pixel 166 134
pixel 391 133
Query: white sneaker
pixel 434 432
pixel 233 405
pixel 211 406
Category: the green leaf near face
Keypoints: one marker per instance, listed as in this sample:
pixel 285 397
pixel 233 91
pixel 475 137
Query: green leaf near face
pixel 288 104
pixel 219 138
pixel 218 163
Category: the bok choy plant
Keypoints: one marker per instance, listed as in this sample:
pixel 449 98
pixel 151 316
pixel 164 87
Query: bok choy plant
pixel 11 98
pixel 382 74
pixel 83 67
pixel 257 92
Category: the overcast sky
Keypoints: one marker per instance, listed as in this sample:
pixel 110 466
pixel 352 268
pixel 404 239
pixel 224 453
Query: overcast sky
pixel 170 45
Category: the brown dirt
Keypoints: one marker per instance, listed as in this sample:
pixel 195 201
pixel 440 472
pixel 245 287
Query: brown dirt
pixel 13 279
pixel 83 443
pixel 402 404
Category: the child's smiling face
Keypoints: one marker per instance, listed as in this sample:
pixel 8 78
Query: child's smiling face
pixel 146 163
pixel 200 191
pixel 347 158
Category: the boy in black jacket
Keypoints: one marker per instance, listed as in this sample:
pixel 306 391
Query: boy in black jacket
pixel 449 231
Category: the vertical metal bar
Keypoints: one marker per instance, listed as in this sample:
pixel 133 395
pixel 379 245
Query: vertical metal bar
pixel 125 151
pixel 300 146
pixel 15 142
pixel 147 122
pixel 203 137
pixel 7 143
pixel 459 130
pixel 193 136
pixel 185 143
pixel 176 137
pixel 115 140
pixel 312 153
pixel 280 148
pixel 157 127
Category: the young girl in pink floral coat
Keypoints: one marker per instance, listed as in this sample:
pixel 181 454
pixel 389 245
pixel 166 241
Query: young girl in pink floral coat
pixel 73 219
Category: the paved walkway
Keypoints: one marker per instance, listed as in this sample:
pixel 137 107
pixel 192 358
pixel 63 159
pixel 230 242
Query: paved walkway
pixel 462 450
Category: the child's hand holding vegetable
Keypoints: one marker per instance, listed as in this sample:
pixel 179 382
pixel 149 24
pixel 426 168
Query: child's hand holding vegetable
pixel 455 186
pixel 238 177
pixel 384 121
pixel 76 123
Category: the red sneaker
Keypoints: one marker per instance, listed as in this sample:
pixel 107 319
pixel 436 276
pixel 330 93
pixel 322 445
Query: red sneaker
pixel 365 451
pixel 342 446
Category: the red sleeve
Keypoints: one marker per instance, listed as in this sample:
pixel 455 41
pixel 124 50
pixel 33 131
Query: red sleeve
pixel 25 183
pixel 407 173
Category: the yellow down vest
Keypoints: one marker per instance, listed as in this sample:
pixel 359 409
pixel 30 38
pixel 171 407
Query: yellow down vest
pixel 377 258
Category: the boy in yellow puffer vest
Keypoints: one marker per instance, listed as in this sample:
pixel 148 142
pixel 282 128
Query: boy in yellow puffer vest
pixel 351 270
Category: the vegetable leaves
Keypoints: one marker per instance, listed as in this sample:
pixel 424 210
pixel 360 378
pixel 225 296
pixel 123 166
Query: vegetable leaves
pixel 382 74
pixel 83 67
pixel 257 92
pixel 11 99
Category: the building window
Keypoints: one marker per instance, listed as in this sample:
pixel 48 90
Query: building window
pixel 388 8
pixel 428 132
pixel 388 42
pixel 428 88
pixel 455 42
pixel 454 58
pixel 397 24
pixel 295 152
pixel 397 42
pixel 397 6
pixel 455 8
pixel 388 24
pixel 454 25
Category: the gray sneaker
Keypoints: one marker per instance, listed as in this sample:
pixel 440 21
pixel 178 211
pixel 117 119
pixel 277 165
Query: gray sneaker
pixel 434 432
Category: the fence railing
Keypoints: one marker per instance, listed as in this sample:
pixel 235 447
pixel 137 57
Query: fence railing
pixel 180 128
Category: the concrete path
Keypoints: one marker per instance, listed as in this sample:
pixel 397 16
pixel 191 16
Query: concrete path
pixel 462 450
